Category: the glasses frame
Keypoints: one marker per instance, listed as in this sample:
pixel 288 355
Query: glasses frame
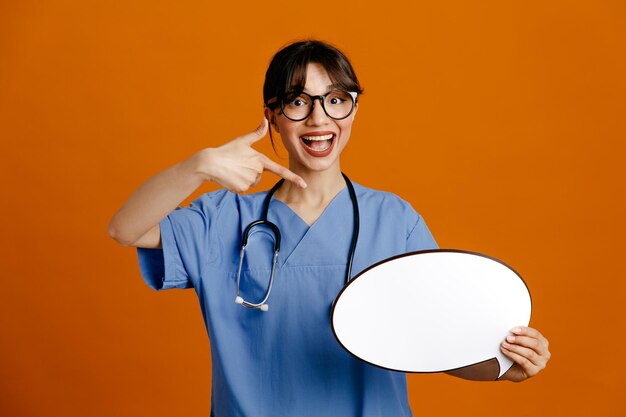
pixel 321 98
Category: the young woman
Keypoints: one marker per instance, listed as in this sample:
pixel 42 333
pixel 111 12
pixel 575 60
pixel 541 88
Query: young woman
pixel 284 360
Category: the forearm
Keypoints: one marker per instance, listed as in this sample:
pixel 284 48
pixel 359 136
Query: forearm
pixel 158 197
pixel 235 166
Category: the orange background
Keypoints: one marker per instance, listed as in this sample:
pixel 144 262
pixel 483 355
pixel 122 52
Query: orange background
pixel 501 122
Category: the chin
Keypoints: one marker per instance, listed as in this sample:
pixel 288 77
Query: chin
pixel 314 164
pixel 322 167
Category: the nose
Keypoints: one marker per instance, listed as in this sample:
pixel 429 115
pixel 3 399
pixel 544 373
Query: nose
pixel 318 116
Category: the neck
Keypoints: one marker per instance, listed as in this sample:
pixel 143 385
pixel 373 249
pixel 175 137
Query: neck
pixel 322 186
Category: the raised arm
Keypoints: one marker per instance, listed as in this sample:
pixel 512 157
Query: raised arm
pixel 235 166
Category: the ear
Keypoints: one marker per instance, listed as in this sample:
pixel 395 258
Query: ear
pixel 271 116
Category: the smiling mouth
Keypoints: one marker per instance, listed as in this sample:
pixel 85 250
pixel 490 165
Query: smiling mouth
pixel 318 143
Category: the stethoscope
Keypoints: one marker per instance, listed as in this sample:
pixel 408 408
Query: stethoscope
pixel 262 305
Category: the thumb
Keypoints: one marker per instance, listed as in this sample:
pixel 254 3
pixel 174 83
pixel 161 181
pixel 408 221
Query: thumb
pixel 258 133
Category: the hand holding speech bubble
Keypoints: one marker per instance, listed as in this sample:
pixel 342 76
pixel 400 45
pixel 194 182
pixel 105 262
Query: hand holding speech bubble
pixel 431 311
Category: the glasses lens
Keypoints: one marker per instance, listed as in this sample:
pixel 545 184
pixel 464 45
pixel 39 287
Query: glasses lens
pixel 296 106
pixel 338 104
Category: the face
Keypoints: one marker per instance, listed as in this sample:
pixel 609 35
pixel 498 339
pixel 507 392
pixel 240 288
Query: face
pixel 315 143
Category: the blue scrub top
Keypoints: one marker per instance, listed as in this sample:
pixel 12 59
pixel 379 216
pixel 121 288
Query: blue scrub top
pixel 284 362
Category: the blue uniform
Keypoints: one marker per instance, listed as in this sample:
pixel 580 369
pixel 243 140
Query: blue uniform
pixel 284 362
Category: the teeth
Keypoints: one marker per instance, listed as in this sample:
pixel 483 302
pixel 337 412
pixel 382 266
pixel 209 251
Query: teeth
pixel 325 137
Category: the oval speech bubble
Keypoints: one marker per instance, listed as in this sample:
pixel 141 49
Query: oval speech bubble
pixel 431 311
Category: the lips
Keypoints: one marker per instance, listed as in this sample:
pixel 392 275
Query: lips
pixel 318 144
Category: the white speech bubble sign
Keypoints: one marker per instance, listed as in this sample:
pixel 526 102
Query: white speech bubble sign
pixel 431 311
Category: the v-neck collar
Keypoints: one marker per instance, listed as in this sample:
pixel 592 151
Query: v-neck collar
pixel 294 230
pixel 342 191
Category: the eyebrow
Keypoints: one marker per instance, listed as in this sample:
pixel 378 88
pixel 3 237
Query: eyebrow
pixel 330 88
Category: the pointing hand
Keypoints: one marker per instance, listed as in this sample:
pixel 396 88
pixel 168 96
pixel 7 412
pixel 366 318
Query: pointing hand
pixel 237 166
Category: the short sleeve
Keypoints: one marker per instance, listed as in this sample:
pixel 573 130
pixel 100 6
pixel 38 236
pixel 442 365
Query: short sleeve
pixel 419 237
pixel 184 247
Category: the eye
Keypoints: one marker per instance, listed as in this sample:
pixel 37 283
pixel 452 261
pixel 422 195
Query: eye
pixel 337 97
pixel 293 100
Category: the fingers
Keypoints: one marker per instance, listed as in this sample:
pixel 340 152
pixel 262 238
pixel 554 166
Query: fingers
pixel 532 338
pixel 242 165
pixel 537 345
pixel 283 172
pixel 528 348
pixel 268 164
pixel 241 180
pixel 257 180
pixel 533 357
pixel 258 133
pixel 527 368
pixel 527 331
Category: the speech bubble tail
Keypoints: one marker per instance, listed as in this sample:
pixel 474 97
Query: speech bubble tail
pixel 504 363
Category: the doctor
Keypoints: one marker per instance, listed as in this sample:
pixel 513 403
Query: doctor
pixel 285 361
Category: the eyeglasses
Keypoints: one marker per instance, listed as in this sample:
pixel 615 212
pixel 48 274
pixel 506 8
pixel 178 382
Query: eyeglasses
pixel 297 106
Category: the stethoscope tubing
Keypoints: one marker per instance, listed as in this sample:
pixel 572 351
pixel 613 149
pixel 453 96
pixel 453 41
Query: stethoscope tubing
pixel 262 305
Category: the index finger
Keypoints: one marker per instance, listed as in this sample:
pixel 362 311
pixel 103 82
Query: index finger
pixel 527 331
pixel 283 172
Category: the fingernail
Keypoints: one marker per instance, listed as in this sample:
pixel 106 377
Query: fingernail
pixel 303 184
pixel 510 339
pixel 517 330
pixel 505 344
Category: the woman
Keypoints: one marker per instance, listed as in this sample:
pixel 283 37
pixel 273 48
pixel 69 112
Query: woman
pixel 284 360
